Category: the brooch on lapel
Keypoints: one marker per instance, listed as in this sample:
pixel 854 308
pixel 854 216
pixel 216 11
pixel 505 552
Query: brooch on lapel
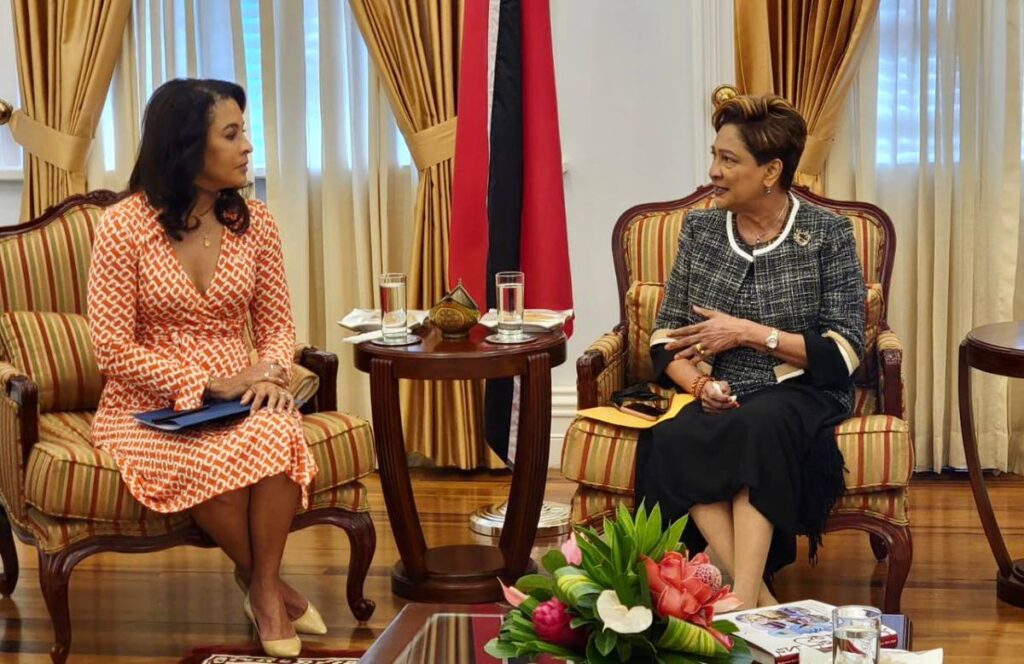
pixel 802 238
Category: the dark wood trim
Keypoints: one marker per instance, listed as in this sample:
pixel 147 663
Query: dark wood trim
pixel 325 366
pixel 23 391
pixel 898 544
pixel 100 198
pixel 891 373
pixel 9 557
pixel 589 366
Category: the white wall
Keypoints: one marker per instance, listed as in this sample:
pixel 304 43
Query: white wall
pixel 634 84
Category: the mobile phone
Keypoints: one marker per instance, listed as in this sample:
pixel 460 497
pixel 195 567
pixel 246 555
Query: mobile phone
pixel 642 410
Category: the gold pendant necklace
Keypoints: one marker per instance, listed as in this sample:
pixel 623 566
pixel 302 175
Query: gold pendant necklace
pixel 206 240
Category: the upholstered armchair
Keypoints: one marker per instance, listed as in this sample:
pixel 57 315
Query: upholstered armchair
pixel 65 497
pixel 875 442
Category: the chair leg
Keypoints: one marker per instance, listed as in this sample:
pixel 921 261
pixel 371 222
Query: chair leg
pixel 878 547
pixel 9 557
pixel 901 553
pixel 362 538
pixel 54 574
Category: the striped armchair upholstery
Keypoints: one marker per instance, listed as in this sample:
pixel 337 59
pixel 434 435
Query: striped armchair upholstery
pixel 66 497
pixel 875 442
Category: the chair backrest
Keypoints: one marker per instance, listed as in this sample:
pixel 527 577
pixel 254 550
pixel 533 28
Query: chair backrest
pixel 44 263
pixel 644 245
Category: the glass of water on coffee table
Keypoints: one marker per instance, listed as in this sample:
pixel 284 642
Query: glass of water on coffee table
pixel 856 634
pixel 509 290
pixel 394 322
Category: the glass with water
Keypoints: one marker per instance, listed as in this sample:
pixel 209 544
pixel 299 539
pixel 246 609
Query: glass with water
pixel 856 634
pixel 509 292
pixel 393 320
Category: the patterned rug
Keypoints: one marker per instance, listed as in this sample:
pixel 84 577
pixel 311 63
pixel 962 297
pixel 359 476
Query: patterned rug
pixel 253 655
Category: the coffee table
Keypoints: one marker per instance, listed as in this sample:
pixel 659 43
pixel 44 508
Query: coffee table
pixel 464 572
pixel 434 633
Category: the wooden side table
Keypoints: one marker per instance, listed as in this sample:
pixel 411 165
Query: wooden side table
pixel 462 573
pixel 995 349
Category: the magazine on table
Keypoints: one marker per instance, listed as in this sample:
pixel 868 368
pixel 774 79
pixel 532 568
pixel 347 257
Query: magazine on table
pixel 776 633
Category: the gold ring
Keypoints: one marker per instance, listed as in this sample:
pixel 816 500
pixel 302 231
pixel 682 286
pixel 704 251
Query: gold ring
pixel 266 374
pixel 700 348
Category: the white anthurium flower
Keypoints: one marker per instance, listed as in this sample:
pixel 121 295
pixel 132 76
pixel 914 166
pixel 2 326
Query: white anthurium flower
pixel 619 618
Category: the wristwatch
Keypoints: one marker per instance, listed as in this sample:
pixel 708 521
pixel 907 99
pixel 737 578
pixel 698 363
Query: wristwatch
pixel 771 342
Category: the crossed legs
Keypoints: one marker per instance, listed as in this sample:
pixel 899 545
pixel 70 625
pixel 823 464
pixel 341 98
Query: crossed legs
pixel 740 537
pixel 251 525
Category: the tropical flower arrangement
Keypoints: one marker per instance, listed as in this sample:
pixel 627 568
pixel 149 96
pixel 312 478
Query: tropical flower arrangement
pixel 629 595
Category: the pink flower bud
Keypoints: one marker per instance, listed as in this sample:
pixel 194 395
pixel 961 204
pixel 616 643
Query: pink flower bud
pixel 551 622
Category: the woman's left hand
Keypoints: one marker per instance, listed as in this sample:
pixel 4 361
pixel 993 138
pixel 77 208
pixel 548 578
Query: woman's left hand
pixel 718 333
pixel 269 395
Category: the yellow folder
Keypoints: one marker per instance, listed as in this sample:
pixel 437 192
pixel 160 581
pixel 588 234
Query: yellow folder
pixel 612 415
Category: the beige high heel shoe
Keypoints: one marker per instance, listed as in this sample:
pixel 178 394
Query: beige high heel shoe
pixel 290 647
pixel 310 622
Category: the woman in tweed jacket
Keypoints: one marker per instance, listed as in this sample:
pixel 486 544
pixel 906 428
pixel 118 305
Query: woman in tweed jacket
pixel 763 322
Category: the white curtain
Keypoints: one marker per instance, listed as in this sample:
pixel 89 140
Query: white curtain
pixel 328 156
pixel 933 136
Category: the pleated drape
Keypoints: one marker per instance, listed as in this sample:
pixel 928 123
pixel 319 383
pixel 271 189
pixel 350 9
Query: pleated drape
pixel 808 52
pixel 415 45
pixel 66 54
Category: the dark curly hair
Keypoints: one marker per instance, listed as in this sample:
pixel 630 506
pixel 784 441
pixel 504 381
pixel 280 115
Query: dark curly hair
pixel 771 129
pixel 172 149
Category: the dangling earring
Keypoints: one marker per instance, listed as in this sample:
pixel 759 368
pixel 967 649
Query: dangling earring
pixel 767 189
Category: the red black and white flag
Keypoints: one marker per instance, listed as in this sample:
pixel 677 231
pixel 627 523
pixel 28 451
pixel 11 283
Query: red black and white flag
pixel 508 205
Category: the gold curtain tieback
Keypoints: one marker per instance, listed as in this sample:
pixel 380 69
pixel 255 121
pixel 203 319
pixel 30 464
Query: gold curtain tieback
pixel 815 153
pixel 65 151
pixel 433 145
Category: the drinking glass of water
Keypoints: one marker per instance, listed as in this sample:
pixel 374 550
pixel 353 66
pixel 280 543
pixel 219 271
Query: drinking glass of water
pixel 856 634
pixel 509 292
pixel 393 320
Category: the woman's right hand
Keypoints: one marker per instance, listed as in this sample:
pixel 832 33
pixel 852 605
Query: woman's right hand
pixel 717 397
pixel 237 385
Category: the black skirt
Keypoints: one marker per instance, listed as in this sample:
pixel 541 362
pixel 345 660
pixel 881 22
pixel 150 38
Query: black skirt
pixel 779 443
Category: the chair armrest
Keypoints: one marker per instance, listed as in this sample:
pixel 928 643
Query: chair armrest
pixel 891 389
pixel 601 369
pixel 19 431
pixel 325 366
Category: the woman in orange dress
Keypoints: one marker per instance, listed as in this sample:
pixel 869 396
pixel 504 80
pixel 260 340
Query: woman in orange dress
pixel 177 269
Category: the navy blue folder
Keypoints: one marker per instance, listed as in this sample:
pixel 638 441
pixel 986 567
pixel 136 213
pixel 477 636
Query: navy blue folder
pixel 168 419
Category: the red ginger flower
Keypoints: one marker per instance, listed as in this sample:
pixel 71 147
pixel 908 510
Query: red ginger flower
pixel 687 590
pixel 551 622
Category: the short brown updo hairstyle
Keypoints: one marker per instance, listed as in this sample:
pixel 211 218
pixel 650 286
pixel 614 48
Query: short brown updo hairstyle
pixel 770 128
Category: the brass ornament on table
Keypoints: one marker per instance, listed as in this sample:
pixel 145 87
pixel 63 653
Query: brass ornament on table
pixel 456 313
pixel 6 111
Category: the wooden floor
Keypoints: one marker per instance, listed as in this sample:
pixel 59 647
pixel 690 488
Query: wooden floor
pixel 152 608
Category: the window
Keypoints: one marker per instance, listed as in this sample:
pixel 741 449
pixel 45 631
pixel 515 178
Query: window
pixel 10 152
pixel 217 36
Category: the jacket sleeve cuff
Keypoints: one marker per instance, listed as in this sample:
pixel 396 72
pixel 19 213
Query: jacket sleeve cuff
pixel 829 363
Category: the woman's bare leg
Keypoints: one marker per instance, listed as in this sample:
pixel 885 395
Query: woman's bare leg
pixel 272 505
pixel 753 538
pixel 225 518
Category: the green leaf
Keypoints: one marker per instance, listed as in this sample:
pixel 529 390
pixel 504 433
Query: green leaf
pixel 644 586
pixel 625 588
pixel 603 551
pixel 552 649
pixel 594 655
pixel 725 626
pixel 553 560
pixel 681 636
pixel 653 531
pixel 623 518
pixel 579 622
pixel 605 640
pixel 500 649
pixel 530 582
pixel 624 650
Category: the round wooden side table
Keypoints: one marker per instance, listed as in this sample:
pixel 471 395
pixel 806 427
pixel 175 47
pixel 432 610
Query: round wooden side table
pixel 467 572
pixel 995 349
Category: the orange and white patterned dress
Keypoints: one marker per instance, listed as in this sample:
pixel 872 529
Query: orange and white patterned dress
pixel 158 340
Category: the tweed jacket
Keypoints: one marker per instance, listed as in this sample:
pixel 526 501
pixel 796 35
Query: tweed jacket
pixel 807 281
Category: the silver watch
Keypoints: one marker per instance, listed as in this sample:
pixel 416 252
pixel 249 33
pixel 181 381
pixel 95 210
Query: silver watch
pixel 771 342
